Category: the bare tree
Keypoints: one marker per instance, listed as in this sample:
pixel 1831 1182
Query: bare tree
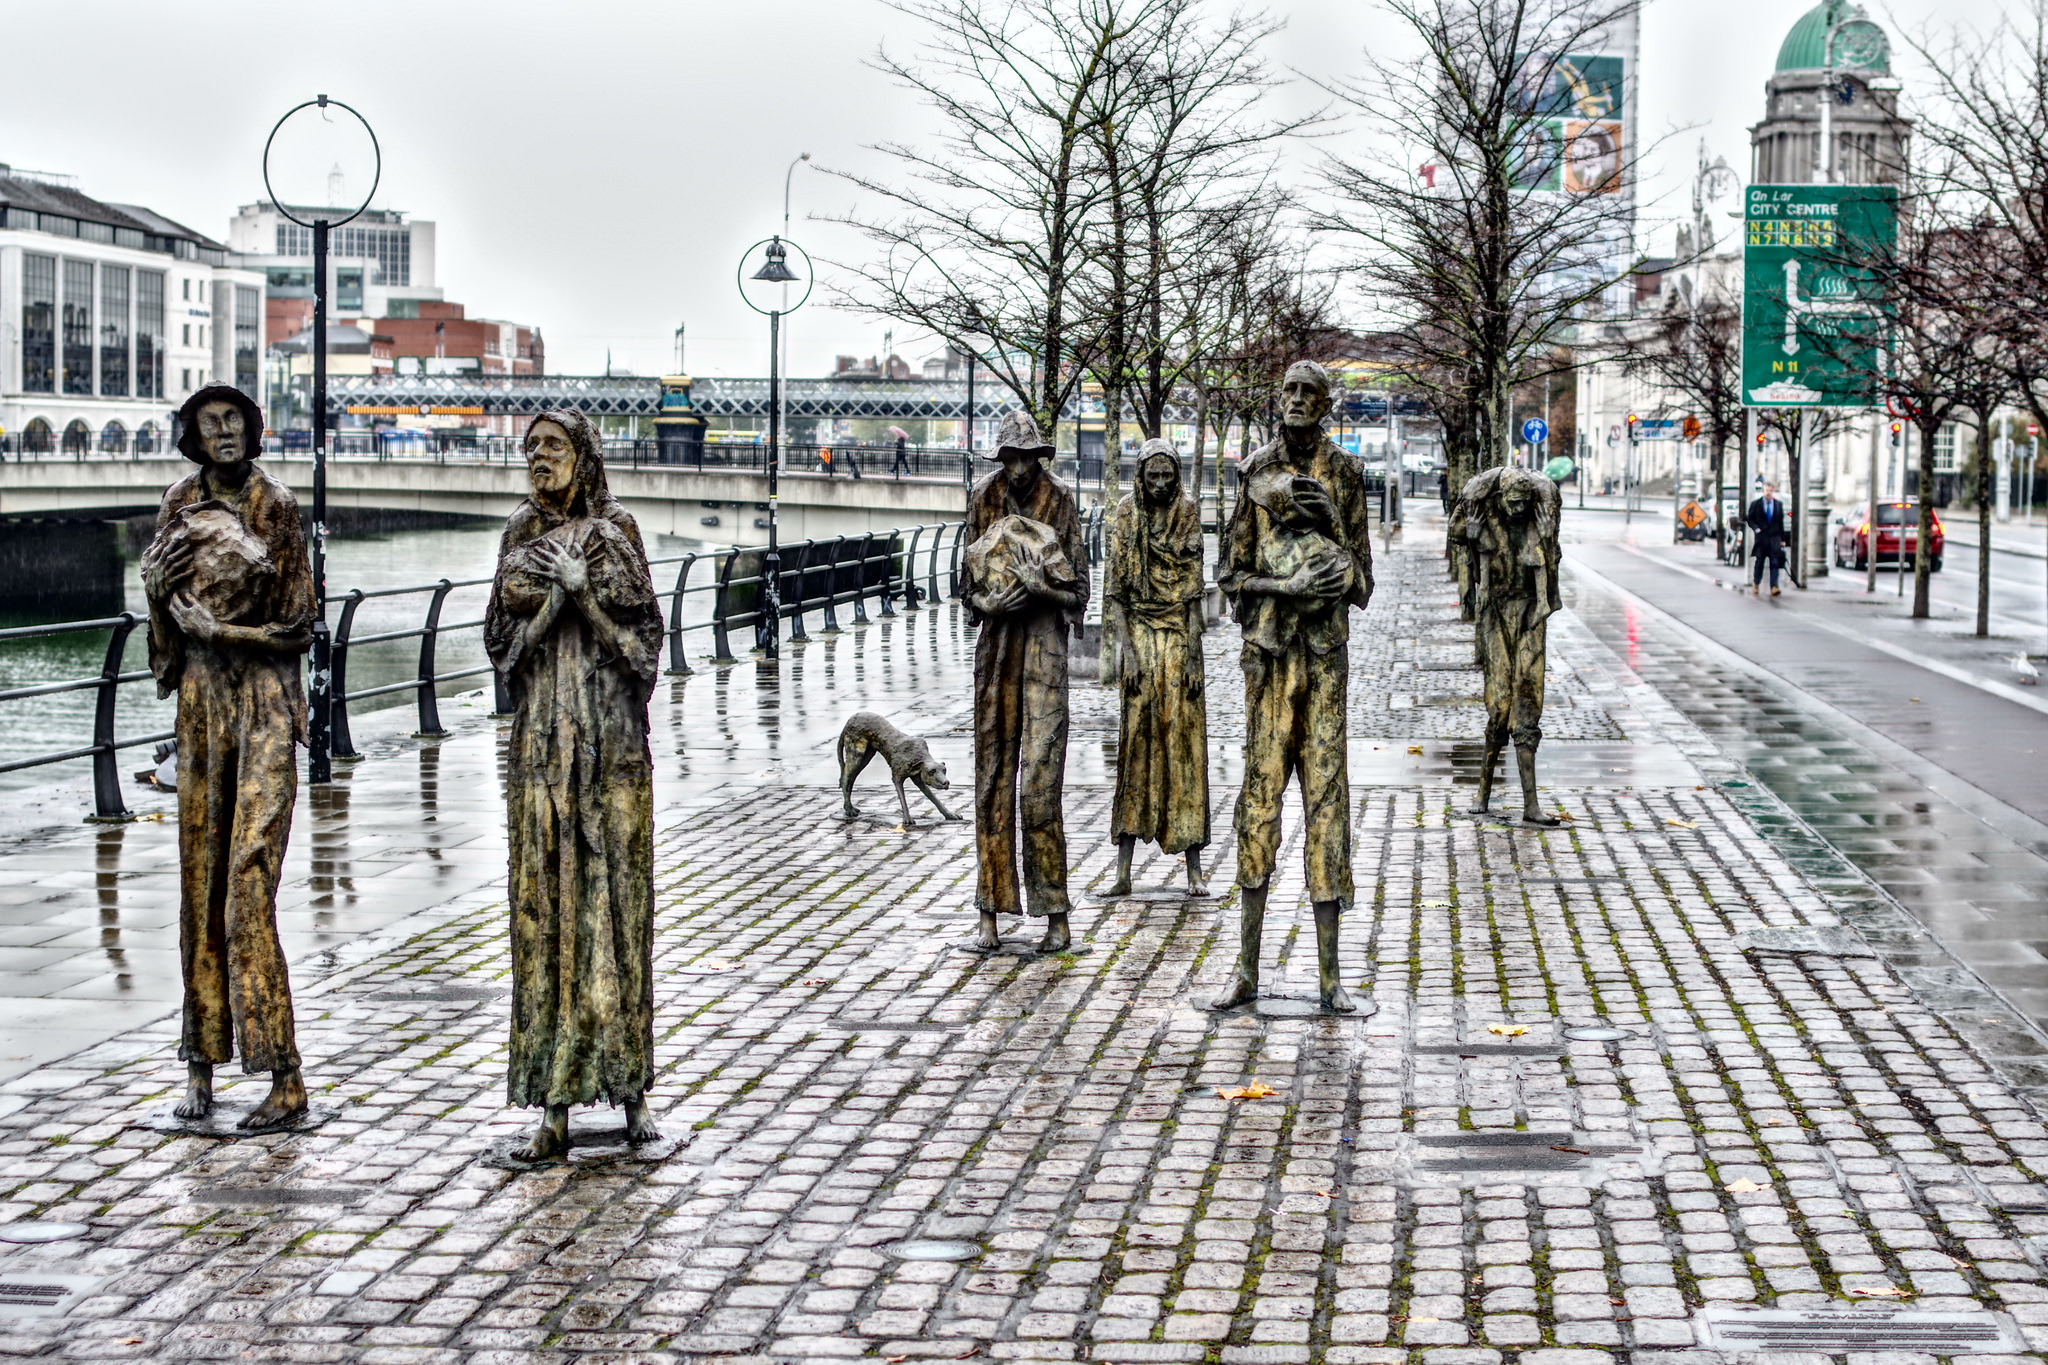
pixel 986 239
pixel 1506 236
pixel 1695 353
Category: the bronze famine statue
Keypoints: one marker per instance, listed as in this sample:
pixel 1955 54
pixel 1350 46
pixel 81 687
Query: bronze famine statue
pixel 1297 556
pixel 1152 599
pixel 230 610
pixel 574 630
pixel 1025 581
pixel 909 758
pixel 1504 530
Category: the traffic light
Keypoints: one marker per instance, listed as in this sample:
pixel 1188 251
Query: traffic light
pixel 1897 427
pixel 1632 419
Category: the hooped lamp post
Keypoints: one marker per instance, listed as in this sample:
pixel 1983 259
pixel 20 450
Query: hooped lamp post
pixel 774 270
pixel 320 702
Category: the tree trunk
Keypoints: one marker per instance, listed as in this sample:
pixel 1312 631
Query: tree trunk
pixel 1925 535
pixel 1983 524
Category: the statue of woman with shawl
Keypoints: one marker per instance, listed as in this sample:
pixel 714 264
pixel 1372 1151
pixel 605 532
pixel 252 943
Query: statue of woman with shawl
pixel 1154 597
pixel 574 631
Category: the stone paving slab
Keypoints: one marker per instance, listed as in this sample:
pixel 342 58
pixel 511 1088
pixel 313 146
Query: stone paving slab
pixel 1791 1131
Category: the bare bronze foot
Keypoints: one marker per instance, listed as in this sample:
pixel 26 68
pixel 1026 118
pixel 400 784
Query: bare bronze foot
pixel 987 937
pixel 1329 918
pixel 1336 999
pixel 1479 808
pixel 198 1101
pixel 1198 885
pixel 550 1140
pixel 1243 990
pixel 639 1127
pixel 1537 817
pixel 285 1102
pixel 1126 844
pixel 1057 938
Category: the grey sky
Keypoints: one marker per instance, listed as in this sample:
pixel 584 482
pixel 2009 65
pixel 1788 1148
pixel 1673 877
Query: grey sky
pixel 597 169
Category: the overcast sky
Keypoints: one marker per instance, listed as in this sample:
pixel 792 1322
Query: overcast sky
pixel 596 169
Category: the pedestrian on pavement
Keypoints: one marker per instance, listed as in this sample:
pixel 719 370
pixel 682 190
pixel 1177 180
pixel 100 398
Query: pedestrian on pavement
pixel 1766 517
pixel 825 460
pixel 902 461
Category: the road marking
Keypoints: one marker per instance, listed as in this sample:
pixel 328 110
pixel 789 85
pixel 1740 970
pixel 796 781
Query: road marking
pixel 1914 657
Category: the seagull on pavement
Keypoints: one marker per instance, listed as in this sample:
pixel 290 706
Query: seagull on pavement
pixel 2024 666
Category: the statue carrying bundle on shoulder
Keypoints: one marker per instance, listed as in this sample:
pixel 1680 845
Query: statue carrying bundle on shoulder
pixel 1505 552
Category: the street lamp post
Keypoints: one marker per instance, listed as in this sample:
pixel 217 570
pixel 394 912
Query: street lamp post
pixel 320 700
pixel 774 270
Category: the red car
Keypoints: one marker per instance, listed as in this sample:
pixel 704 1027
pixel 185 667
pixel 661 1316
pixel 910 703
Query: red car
pixel 1898 525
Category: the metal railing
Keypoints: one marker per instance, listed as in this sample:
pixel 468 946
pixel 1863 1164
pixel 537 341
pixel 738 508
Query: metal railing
pixel 897 570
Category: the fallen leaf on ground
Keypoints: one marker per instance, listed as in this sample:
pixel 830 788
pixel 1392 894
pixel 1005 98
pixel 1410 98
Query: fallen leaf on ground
pixel 1507 1030
pixel 1562 813
pixel 817 981
pixel 1415 748
pixel 1743 1187
pixel 1888 1292
pixel 1575 1151
pixel 1325 1194
pixel 1684 824
pixel 1257 1090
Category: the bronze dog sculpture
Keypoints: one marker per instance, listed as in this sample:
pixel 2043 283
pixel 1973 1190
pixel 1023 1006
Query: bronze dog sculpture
pixel 910 760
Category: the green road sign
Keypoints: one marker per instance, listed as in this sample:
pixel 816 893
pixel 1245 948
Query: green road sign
pixel 1811 315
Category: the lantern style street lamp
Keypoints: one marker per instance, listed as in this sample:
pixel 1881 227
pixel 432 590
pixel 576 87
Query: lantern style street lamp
pixel 774 270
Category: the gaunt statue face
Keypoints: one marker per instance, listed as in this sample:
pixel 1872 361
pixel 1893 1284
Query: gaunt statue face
pixel 1304 402
pixel 1515 502
pixel 1160 483
pixel 223 433
pixel 550 459
pixel 1022 467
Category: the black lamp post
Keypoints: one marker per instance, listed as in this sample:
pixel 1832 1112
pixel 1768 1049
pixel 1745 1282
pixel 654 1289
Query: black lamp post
pixel 320 701
pixel 774 270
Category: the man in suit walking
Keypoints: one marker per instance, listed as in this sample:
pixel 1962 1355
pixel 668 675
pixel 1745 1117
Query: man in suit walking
pixel 1766 517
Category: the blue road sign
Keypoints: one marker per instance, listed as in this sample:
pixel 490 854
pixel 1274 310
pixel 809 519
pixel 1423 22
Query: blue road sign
pixel 1535 431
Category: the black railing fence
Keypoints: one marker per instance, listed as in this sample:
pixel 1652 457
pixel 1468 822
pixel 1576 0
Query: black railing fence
pixel 891 572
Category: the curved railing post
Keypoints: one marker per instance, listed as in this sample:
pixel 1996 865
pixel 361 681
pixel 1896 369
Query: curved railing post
pixel 343 744
pixel 793 603
pixel 678 659
pixel 959 534
pixel 721 601
pixel 834 566
pixel 931 593
pixel 106 769
pixel 860 580
pixel 888 583
pixel 910 570
pixel 430 709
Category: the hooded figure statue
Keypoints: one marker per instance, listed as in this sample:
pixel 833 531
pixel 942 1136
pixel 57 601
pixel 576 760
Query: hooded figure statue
pixel 1152 598
pixel 574 630
pixel 1504 539
pixel 1025 582
pixel 231 609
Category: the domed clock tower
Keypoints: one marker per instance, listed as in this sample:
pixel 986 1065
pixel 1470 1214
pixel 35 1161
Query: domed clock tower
pixel 1831 113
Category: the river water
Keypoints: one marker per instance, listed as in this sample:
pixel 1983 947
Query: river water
pixel 52 724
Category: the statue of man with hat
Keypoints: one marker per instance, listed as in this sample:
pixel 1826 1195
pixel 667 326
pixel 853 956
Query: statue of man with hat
pixel 1025 582
pixel 1296 557
pixel 231 609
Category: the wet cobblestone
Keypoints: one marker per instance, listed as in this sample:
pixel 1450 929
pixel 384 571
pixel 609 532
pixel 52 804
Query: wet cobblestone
pixel 1792 1131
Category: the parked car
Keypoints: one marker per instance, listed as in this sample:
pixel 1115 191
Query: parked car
pixel 1898 525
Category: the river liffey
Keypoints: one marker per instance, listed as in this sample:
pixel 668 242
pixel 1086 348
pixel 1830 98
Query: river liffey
pixel 52 724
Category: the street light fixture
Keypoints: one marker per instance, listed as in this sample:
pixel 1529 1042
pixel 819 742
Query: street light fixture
pixel 320 700
pixel 774 270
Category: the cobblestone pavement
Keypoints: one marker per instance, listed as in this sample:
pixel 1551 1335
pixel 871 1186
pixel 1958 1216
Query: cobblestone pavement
pixel 1450 1181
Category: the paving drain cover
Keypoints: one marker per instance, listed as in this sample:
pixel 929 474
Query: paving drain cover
pixel 25 1292
pixel 1826 942
pixel 1838 1331
pixel 1597 1033
pixel 439 994
pixel 933 1250
pixel 267 1196
pixel 28 1232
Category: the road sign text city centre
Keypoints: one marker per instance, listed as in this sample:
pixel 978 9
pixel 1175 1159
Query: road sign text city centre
pixel 1812 313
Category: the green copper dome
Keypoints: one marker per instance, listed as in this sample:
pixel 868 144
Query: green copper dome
pixel 1860 45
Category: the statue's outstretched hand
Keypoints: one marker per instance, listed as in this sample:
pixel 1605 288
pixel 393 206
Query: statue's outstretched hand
pixel 164 574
